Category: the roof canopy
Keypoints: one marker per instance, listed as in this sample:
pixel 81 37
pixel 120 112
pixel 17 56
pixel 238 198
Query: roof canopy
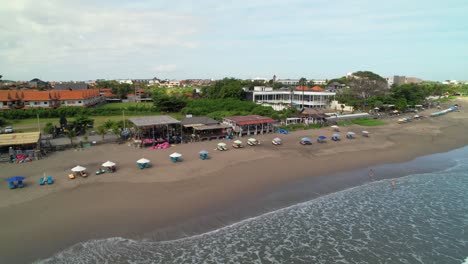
pixel 19 139
pixel 153 121
pixel 250 119
pixel 198 120
pixel 210 127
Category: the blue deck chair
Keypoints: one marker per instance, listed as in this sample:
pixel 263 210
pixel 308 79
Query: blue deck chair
pixel 146 165
pixel 41 181
pixel 20 184
pixel 12 185
pixel 50 180
pixel 174 159
pixel 141 166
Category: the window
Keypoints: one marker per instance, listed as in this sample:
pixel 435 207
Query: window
pixel 79 102
pixel 46 103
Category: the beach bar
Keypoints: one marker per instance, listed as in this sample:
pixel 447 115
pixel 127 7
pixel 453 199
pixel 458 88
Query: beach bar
pixel 152 130
pixel 20 146
pixel 250 124
pixel 203 128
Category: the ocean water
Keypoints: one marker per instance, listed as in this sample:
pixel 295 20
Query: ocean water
pixel 423 220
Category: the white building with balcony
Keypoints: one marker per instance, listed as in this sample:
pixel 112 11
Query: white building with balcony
pixel 280 99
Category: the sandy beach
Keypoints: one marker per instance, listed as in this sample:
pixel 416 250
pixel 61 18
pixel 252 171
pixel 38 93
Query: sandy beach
pixel 38 221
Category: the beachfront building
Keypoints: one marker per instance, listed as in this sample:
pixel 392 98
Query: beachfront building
pixel 152 130
pixel 201 128
pixel 20 146
pixel 280 99
pixel 14 99
pixel 250 125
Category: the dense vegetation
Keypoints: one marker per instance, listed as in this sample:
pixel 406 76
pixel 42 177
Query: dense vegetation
pixel 219 108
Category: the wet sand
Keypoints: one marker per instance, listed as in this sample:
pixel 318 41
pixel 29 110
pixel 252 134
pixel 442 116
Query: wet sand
pixel 171 200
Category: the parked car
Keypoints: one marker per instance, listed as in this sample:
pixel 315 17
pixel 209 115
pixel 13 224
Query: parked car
pixel 8 129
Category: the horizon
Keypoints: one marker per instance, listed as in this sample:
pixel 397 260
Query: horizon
pixel 85 40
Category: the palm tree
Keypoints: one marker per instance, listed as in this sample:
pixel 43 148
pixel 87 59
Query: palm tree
pixel 71 135
pixel 302 84
pixel 102 130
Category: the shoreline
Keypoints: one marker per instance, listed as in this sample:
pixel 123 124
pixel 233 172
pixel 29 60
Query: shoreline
pixel 196 196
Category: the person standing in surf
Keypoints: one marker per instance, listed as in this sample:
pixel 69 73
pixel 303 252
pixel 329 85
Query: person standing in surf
pixel 393 184
pixel 371 175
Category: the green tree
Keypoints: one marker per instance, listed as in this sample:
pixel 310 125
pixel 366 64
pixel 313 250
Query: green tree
pixel 166 103
pixel 401 104
pixel 49 128
pixel 225 88
pixel 71 135
pixel 108 124
pixel 2 121
pixel 102 131
pixel 302 81
pixel 369 75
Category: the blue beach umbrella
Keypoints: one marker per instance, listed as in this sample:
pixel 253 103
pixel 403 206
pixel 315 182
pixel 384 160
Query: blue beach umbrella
pixel 322 137
pixel 15 178
pixel 203 152
pixel 306 139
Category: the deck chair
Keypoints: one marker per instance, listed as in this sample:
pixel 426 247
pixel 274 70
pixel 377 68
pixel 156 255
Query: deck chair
pixel 41 181
pixel 20 184
pixel 12 185
pixel 50 180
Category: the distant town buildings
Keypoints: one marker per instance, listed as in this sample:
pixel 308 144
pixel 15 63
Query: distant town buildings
pixel 399 80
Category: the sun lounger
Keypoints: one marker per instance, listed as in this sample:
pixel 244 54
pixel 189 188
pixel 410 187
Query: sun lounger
pixel 71 176
pixel 42 181
pixel 20 184
pixel 141 166
pixel 50 180
pixel 12 185
pixel 174 159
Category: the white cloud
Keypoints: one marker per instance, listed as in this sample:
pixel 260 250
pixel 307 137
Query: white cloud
pixel 165 68
pixel 57 32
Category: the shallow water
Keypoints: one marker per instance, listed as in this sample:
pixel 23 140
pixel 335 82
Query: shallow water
pixel 424 220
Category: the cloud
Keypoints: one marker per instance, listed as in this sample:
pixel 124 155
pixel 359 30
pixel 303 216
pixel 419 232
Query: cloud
pixel 165 68
pixel 56 32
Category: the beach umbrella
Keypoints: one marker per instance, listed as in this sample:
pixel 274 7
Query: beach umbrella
pixel 143 161
pixel 365 132
pixel 222 144
pixel 306 139
pixel 277 139
pixel 175 155
pixel 351 133
pixel 322 137
pixel 78 169
pixel 203 152
pixel 334 126
pixel 108 164
pixel 252 140
pixel 238 142
pixel 336 135
pixel 15 178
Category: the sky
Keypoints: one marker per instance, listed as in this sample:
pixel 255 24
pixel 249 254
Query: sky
pixel 62 40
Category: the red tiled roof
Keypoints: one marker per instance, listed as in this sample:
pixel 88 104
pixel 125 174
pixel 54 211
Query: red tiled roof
pixel 250 119
pixel 317 89
pixel 40 96
pixel 302 88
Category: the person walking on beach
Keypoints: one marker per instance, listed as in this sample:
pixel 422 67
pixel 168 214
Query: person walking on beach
pixel 393 184
pixel 371 175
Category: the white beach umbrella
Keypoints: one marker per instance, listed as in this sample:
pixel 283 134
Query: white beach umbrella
pixel 108 164
pixel 365 132
pixel 277 139
pixel 238 142
pixel 222 144
pixel 78 169
pixel 334 126
pixel 252 140
pixel 175 155
pixel 143 161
